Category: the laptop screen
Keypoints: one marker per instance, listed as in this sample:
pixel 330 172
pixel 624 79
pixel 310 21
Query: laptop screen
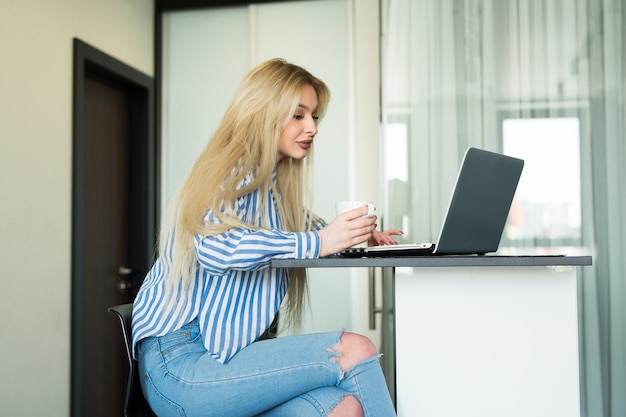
pixel 480 203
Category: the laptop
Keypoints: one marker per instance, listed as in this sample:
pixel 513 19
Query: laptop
pixel 476 214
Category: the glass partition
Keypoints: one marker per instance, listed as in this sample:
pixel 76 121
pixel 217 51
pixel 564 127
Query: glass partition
pixel 205 54
pixel 541 80
pixel 505 76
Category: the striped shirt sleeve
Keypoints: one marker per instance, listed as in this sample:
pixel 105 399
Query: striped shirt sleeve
pixel 243 249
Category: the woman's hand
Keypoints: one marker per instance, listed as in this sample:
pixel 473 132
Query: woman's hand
pixel 346 230
pixel 384 238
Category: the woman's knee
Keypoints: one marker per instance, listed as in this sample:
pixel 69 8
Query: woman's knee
pixel 349 406
pixel 353 348
pixel 358 344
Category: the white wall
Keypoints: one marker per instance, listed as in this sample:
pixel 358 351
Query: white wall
pixel 36 173
pixel 35 183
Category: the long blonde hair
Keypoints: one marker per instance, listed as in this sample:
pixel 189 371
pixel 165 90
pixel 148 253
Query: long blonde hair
pixel 246 142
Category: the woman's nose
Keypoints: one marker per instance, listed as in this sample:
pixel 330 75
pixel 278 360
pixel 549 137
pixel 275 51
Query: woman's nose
pixel 312 126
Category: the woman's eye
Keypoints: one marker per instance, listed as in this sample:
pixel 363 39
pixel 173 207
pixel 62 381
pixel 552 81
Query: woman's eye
pixel 301 116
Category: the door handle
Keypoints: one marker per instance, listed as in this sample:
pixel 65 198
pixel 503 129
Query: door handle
pixel 124 284
pixel 124 270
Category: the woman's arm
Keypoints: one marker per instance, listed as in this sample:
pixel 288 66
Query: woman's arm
pixel 245 249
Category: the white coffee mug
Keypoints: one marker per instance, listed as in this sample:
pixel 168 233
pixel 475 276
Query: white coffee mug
pixel 343 206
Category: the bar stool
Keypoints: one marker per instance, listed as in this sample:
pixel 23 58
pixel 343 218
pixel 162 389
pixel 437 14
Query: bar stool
pixel 135 404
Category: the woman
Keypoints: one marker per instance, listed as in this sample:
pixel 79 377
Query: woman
pixel 203 307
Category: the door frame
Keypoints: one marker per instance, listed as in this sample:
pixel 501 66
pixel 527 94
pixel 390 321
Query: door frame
pixel 143 178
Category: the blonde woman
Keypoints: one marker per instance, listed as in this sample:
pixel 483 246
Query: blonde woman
pixel 203 307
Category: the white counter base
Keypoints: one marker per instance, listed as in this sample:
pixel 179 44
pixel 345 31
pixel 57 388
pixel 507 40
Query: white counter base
pixel 487 341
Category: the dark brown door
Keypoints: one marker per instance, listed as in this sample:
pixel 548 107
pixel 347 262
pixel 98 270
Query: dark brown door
pixel 111 236
pixel 106 237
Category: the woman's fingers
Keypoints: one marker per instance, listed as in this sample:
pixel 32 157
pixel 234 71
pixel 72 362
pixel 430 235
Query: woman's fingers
pixel 346 230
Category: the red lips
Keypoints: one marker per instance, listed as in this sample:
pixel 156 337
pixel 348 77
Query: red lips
pixel 305 144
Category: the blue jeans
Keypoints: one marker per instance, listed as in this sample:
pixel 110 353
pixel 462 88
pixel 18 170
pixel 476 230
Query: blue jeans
pixel 295 376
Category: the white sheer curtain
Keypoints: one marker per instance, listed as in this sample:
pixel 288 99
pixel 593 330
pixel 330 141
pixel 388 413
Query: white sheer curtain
pixel 453 71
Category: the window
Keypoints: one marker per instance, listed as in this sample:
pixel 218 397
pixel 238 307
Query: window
pixel 546 211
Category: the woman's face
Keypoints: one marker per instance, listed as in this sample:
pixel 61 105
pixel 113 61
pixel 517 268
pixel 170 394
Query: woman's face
pixel 297 137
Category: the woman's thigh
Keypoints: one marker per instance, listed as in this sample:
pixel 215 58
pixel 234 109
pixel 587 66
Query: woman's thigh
pixel 182 379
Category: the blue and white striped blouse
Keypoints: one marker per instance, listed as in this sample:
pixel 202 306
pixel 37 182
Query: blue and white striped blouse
pixel 235 294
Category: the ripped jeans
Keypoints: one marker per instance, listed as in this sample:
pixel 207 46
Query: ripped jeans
pixel 294 376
